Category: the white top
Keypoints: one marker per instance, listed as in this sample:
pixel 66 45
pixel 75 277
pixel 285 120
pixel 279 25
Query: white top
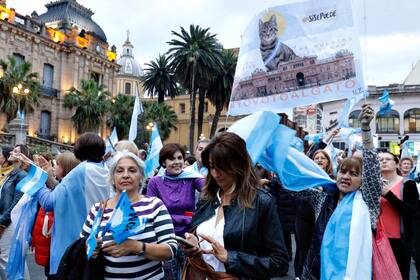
pixel 209 228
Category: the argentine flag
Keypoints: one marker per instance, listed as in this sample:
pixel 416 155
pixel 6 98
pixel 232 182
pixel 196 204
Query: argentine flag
pixel 155 145
pixel 387 104
pixel 34 181
pixel 91 241
pixel 124 221
pixel 314 138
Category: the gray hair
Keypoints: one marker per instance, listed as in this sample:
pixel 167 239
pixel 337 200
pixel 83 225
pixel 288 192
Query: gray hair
pixel 125 154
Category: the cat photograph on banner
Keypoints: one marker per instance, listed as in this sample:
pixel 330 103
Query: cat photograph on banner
pixel 295 55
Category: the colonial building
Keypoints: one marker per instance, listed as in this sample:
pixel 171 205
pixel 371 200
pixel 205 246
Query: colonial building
pixel 64 45
pixel 403 120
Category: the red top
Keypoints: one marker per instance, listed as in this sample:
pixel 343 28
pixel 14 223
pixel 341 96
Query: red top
pixel 390 217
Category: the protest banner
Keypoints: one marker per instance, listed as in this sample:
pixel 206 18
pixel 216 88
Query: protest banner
pixel 295 55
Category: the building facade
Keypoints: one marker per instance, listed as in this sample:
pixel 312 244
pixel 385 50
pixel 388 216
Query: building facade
pixel 64 45
pixel 403 120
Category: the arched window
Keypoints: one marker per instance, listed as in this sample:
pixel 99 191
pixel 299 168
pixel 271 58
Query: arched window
pixel 389 123
pixel 412 121
pixel 354 119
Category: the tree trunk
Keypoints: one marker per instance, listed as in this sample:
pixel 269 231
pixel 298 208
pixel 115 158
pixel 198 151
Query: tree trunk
pixel 161 97
pixel 201 100
pixel 192 112
pixel 215 122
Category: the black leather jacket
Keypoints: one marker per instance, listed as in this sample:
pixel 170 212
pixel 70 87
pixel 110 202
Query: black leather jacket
pixel 253 237
pixel 9 196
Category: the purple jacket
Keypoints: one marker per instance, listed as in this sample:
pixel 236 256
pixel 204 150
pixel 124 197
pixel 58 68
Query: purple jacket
pixel 179 197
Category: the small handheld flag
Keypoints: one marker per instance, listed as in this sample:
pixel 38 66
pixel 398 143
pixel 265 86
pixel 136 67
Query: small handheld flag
pixel 387 104
pixel 34 181
pixel 124 221
pixel 152 160
pixel 91 241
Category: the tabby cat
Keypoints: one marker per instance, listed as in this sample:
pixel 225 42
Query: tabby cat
pixel 272 57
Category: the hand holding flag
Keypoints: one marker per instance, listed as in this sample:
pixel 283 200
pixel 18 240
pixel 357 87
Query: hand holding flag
pixel 34 180
pixel 124 221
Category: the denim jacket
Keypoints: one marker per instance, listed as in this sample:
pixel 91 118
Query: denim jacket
pixel 9 196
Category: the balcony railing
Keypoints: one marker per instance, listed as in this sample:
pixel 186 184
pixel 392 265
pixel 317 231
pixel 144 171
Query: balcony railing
pixel 50 92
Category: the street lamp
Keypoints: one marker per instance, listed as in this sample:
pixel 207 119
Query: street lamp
pixel 149 127
pixel 20 92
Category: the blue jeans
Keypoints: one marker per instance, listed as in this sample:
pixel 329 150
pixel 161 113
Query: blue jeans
pixel 173 268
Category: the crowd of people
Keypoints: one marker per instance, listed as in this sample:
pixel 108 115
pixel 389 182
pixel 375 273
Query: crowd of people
pixel 211 215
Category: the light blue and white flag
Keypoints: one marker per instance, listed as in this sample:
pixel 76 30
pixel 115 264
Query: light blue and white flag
pixel 314 138
pixel 405 150
pixel 417 169
pixel 137 110
pixel 34 180
pixel 346 249
pixel 387 104
pixel 343 119
pixel 155 145
pixel 111 141
pixel 268 143
pixel 91 241
pixel 298 144
pixel 124 221
pixel 300 172
pixel 21 240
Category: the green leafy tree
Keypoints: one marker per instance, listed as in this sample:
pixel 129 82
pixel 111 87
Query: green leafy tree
pixel 91 101
pixel 161 113
pixel 221 87
pixel 15 73
pixel 159 79
pixel 194 56
pixel 120 114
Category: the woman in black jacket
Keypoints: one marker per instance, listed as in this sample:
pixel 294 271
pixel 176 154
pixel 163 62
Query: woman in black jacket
pixel 236 221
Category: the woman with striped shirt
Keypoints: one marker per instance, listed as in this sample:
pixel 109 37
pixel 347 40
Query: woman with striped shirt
pixel 140 256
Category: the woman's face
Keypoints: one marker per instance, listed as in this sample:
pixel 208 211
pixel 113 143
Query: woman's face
pixel 14 155
pixel 223 179
pixel 348 180
pixel 58 171
pixel 321 160
pixel 127 175
pixel 174 164
pixel 387 162
pixel 406 166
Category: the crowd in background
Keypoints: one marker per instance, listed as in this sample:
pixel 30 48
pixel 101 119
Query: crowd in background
pixel 236 218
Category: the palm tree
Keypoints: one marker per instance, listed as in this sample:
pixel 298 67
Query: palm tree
pixel 121 111
pixel 92 102
pixel 159 79
pixel 160 113
pixel 193 56
pixel 15 73
pixel 221 87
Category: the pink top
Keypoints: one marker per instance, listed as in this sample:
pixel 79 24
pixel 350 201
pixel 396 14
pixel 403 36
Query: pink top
pixel 390 217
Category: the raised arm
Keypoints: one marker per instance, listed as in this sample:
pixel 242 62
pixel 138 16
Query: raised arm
pixel 371 179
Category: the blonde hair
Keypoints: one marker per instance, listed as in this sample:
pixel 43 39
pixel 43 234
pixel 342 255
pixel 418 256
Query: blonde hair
pixel 67 161
pixel 126 145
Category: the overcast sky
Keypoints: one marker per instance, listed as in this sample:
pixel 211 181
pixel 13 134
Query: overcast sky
pixel 390 36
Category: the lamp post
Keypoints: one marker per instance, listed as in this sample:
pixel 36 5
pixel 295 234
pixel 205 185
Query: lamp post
pixel 149 128
pixel 17 126
pixel 20 91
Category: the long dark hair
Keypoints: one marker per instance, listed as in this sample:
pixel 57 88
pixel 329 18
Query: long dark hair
pixel 227 152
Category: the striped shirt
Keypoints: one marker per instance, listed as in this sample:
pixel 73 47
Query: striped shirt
pixel 159 229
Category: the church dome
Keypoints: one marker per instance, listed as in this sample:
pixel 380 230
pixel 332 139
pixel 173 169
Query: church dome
pixel 63 14
pixel 129 65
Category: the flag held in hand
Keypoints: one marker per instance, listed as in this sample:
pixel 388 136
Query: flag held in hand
pixel 34 180
pixel 124 221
